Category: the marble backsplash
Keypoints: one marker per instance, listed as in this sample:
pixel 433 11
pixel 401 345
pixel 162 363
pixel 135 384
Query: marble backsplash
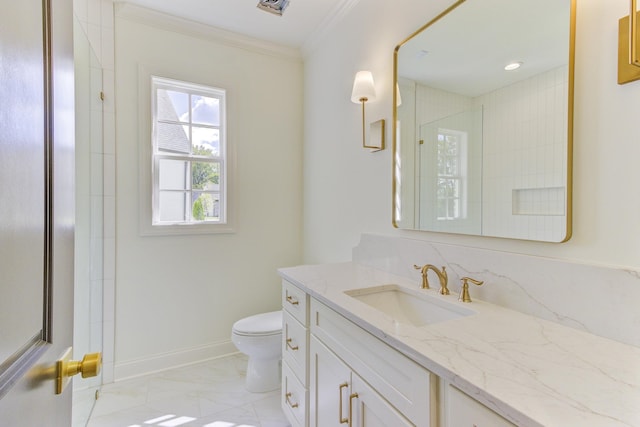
pixel 600 300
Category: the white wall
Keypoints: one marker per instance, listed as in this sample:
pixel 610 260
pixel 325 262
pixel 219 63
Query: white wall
pixel 178 296
pixel 348 190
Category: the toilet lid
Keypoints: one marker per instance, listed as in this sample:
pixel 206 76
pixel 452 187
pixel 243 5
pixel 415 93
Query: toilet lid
pixel 260 324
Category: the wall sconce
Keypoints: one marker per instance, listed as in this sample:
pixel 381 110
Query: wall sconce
pixel 363 91
pixel 628 58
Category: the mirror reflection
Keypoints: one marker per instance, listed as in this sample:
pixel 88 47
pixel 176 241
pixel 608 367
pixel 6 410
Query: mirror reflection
pixel 482 129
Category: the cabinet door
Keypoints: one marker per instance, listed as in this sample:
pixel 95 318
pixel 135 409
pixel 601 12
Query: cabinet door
pixel 294 346
pixel 369 409
pixel 294 398
pixel 463 411
pixel 329 385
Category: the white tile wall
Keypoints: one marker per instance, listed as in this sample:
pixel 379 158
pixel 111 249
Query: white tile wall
pixel 97 21
pixel 524 130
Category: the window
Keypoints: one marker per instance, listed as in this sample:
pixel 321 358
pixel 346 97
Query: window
pixel 189 154
pixel 452 168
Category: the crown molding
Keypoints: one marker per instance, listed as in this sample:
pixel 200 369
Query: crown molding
pixel 195 29
pixel 328 23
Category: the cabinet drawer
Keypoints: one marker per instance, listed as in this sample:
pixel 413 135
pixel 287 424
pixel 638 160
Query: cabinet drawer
pixel 463 411
pixel 409 387
pixel 294 398
pixel 296 302
pixel 294 346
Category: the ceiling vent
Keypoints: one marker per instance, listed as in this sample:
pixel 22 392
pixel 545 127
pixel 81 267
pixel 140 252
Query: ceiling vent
pixel 273 6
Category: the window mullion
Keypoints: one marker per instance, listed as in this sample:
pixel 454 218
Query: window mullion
pixel 188 202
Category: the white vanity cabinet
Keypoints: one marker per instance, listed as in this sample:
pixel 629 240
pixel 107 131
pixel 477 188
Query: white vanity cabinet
pixel 362 364
pixel 295 341
pixel 464 411
pixel 339 396
pixel 353 372
pixel 334 373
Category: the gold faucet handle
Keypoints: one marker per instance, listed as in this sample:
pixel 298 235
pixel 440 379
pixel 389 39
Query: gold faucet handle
pixel 423 271
pixel 464 293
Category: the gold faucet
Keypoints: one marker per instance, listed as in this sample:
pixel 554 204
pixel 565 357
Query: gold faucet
pixel 442 276
pixel 464 292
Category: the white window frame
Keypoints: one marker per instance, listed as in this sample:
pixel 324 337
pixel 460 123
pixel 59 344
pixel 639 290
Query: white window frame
pixel 151 156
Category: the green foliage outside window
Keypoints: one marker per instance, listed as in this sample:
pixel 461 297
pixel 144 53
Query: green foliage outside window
pixel 198 210
pixel 203 173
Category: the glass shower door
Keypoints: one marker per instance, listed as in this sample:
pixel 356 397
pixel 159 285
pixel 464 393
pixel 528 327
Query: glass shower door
pixel 88 283
pixel 449 183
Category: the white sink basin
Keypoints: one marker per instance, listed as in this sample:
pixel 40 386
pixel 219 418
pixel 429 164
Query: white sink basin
pixel 409 306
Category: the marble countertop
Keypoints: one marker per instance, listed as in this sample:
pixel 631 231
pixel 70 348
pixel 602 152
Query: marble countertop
pixel 532 371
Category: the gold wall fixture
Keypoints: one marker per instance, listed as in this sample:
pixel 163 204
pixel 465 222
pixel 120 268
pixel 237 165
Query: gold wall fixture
pixel 376 136
pixel 628 41
pixel 363 91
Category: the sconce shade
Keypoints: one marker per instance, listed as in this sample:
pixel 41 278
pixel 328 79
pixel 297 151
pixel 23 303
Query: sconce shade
pixel 363 87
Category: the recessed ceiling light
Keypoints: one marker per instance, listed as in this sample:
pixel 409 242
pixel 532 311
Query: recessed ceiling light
pixel 512 66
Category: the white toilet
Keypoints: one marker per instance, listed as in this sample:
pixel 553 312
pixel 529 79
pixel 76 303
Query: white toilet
pixel 260 338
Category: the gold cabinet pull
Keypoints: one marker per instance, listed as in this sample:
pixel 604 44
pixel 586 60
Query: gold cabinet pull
pixel 342 420
pixel 353 396
pixel 288 399
pixel 290 346
pixel 291 300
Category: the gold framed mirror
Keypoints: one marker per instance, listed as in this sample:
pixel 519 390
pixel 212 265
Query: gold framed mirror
pixel 479 149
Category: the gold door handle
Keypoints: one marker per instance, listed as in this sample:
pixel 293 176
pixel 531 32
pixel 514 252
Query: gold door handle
pixel 353 396
pixel 290 346
pixel 89 366
pixel 291 300
pixel 288 399
pixel 342 420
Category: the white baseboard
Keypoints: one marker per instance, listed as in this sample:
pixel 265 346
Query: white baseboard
pixel 162 362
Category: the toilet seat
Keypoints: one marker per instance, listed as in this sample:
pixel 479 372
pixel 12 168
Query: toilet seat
pixel 260 325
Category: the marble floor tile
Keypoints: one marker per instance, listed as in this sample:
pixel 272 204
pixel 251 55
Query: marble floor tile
pixel 210 394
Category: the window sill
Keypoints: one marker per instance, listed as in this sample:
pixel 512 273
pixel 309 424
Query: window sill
pixel 185 229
